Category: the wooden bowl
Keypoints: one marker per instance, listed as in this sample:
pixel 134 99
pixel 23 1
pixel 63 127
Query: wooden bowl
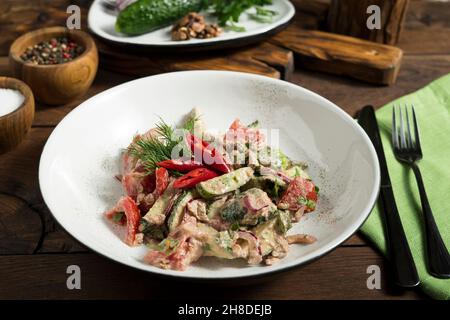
pixel 15 125
pixel 60 83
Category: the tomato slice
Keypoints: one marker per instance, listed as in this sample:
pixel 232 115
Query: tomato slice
pixel 162 180
pixel 180 165
pixel 238 132
pixel 206 154
pixel 194 177
pixel 237 124
pixel 301 193
pixel 133 216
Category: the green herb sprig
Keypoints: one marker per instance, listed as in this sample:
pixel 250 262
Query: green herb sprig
pixel 262 15
pixel 228 12
pixel 157 148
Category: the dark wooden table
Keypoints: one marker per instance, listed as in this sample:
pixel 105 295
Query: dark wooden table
pixel 35 252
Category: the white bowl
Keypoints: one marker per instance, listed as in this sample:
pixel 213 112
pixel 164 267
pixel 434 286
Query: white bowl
pixel 81 157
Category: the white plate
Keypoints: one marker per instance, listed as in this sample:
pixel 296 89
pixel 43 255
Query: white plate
pixel 81 157
pixel 102 23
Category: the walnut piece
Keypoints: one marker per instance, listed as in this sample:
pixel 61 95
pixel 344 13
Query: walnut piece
pixel 193 26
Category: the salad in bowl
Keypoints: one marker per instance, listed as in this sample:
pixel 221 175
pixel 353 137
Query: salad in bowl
pixel 190 193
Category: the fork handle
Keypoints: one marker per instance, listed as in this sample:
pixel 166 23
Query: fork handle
pixel 438 256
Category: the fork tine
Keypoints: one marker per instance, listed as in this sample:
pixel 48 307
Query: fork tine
pixel 394 129
pixel 409 140
pixel 397 131
pixel 402 130
pixel 416 130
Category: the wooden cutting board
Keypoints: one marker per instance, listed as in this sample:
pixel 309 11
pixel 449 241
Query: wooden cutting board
pixel 342 55
pixel 364 60
pixel 265 59
pixel 316 50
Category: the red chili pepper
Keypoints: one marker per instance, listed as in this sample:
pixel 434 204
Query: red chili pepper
pixel 206 154
pixel 194 177
pixel 162 180
pixel 180 165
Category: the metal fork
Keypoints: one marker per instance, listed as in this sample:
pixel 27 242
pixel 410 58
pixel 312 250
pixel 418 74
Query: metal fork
pixel 407 149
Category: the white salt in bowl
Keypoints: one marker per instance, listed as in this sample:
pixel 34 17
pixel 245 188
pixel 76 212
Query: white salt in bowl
pixel 15 120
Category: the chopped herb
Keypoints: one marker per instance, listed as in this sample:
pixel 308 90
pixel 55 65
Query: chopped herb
pixel 311 204
pixel 316 188
pixel 276 189
pixel 233 212
pixel 206 247
pixel 306 202
pixel 168 245
pixel 224 240
pixel 254 124
pixel 229 11
pixel 302 201
pixel 235 226
pixel 261 220
pixel 155 232
pixel 279 160
pixel 234 27
pixel 189 125
pixel 285 161
pixel 262 15
pixel 117 217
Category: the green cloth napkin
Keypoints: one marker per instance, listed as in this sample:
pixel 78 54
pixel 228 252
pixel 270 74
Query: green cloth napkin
pixel 432 106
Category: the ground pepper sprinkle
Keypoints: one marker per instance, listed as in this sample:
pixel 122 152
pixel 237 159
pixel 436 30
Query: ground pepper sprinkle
pixel 55 51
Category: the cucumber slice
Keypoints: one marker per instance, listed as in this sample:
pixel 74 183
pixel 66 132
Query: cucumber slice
pixel 266 235
pixel 214 208
pixel 296 171
pixel 147 15
pixel 157 213
pixel 178 209
pixel 283 221
pixel 217 244
pixel 272 231
pixel 225 183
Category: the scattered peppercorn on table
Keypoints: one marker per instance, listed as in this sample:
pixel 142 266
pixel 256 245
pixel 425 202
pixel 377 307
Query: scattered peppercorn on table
pixel 36 252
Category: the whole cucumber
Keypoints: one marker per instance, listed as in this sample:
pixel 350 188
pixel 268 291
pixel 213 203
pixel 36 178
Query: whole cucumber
pixel 147 15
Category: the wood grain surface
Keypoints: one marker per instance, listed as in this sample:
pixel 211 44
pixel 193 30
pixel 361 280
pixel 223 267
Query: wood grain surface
pixel 342 55
pixel 18 17
pixel 264 59
pixel 35 251
pixel 349 17
pixel 43 276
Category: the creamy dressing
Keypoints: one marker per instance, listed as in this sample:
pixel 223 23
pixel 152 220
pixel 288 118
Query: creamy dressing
pixel 10 100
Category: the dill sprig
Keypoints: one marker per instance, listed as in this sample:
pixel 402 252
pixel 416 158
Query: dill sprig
pixel 158 147
pixel 150 151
